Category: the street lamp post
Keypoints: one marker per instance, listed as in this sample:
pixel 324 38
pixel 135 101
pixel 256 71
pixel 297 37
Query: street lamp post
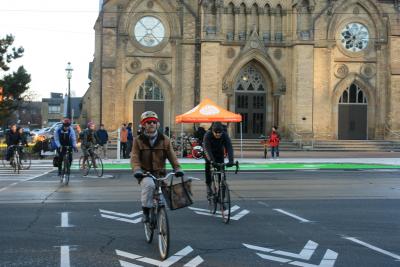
pixel 69 70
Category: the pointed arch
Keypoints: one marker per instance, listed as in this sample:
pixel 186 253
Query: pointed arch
pixel 230 22
pixel 272 73
pixel 133 86
pixel 253 19
pixel 278 23
pixel 370 8
pixel 242 22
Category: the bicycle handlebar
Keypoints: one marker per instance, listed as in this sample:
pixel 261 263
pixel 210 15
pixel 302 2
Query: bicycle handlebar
pixel 148 174
pixel 236 164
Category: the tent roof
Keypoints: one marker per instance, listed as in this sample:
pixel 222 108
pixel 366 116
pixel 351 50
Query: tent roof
pixel 208 111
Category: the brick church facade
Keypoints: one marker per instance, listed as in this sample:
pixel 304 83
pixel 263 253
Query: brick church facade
pixel 323 69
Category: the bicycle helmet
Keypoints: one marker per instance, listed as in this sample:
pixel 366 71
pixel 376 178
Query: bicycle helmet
pixel 147 116
pixel 66 122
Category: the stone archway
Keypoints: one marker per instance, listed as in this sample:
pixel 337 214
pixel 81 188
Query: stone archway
pixel 353 114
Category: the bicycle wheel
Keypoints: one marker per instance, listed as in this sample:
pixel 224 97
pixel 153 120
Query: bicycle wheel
pixel 163 233
pixel 149 227
pixel 66 171
pixel 84 167
pixel 225 201
pixel 26 161
pixel 98 166
pixel 212 200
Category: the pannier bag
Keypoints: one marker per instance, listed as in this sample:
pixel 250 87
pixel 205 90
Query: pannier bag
pixel 55 161
pixel 178 195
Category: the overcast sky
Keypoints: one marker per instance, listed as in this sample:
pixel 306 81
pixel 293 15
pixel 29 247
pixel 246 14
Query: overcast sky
pixel 52 32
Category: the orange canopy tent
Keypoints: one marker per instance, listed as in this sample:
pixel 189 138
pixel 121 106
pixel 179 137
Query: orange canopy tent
pixel 208 111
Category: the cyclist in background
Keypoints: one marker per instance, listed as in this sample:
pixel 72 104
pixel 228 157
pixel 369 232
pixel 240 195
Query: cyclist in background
pixel 63 137
pixel 13 138
pixel 150 150
pixel 89 140
pixel 216 140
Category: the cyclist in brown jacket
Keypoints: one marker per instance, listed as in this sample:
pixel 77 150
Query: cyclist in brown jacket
pixel 150 150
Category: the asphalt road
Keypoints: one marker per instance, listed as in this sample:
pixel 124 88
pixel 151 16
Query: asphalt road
pixel 292 218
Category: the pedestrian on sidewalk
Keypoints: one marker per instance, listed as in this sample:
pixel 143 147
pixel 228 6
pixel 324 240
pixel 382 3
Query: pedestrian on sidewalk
pixel 130 140
pixel 124 140
pixel 102 137
pixel 273 142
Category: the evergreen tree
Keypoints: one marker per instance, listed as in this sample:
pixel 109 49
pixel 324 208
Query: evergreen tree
pixel 15 84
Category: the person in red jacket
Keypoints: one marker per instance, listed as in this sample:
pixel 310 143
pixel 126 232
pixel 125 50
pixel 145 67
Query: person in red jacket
pixel 273 141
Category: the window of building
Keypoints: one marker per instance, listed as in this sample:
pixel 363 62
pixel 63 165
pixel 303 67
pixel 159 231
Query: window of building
pixel 353 95
pixel 54 109
pixel 250 79
pixel 149 90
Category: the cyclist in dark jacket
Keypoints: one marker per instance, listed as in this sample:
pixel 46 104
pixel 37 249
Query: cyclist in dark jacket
pixel 216 140
pixel 13 138
pixel 63 137
pixel 89 140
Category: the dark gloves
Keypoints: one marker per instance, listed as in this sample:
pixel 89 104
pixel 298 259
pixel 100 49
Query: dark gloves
pixel 138 175
pixel 179 173
pixel 230 164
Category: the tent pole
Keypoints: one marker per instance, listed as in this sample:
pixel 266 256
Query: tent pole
pixel 182 143
pixel 241 140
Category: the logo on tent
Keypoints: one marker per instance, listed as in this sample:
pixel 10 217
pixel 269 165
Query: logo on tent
pixel 209 110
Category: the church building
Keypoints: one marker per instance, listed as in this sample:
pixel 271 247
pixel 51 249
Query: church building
pixel 322 69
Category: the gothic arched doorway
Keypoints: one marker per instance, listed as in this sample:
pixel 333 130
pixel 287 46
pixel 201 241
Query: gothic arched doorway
pixel 149 96
pixel 353 108
pixel 250 101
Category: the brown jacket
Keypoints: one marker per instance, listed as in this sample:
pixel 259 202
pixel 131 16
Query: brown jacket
pixel 152 159
pixel 124 135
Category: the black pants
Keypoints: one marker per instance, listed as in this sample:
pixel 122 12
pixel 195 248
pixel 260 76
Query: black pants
pixel 208 170
pixel 61 152
pixel 123 149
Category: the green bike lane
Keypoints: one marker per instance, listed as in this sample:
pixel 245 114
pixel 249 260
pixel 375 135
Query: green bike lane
pixel 247 166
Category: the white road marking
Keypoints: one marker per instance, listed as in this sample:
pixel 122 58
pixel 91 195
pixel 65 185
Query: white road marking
pixel 65 261
pixel 273 258
pixel 24 180
pixel 233 209
pixel 240 215
pixel 390 254
pixel 166 263
pixel 122 214
pixel 305 253
pixel 120 219
pixel 263 203
pixel 128 264
pixel 258 248
pixel 64 220
pixel 328 260
pixel 194 262
pixel 293 215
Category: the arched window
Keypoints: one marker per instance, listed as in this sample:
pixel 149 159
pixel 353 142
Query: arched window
pixel 253 19
pixel 304 20
pixel 149 90
pixel 250 80
pixel 265 24
pixel 278 24
pixel 242 22
pixel 230 22
pixel 353 95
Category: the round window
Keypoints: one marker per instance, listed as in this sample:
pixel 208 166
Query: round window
pixel 355 37
pixel 149 31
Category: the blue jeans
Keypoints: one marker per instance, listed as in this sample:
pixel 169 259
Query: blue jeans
pixel 275 149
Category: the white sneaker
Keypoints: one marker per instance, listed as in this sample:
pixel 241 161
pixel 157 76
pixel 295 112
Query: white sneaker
pixel 277 158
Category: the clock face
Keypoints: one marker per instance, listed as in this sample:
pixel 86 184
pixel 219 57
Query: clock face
pixel 149 31
pixel 355 37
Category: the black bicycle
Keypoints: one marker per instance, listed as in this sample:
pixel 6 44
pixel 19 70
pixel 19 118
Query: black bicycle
pixel 158 218
pixel 23 159
pixel 92 161
pixel 220 194
pixel 66 165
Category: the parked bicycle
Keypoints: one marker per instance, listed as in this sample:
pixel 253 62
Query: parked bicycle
pixel 93 161
pixel 158 218
pixel 220 191
pixel 66 165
